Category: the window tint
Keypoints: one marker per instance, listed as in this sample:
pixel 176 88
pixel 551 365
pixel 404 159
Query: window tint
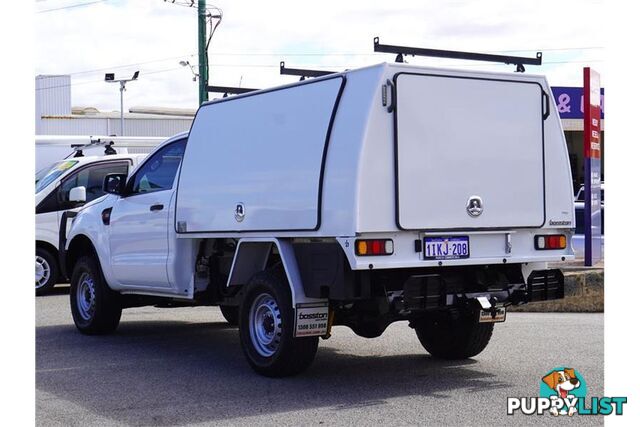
pixel 159 171
pixel 90 178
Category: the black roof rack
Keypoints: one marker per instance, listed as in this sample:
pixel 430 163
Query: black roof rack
pixel 229 90
pixel 518 61
pixel 302 72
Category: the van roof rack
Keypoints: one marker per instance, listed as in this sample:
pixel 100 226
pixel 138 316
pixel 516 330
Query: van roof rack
pixel 107 144
pixel 303 73
pixel 400 51
pixel 228 90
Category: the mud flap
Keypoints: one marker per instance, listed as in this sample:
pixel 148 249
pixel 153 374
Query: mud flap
pixel 312 320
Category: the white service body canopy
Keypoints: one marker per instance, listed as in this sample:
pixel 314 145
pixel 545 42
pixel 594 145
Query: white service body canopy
pixel 326 157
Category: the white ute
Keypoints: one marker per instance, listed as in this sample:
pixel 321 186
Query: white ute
pixel 386 193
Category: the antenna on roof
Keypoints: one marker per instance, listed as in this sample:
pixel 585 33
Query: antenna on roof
pixel 226 90
pixel 518 61
pixel 302 72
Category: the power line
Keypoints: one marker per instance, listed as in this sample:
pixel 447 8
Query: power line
pixel 95 70
pixel 338 67
pixel 145 73
pixel 71 6
pixel 316 54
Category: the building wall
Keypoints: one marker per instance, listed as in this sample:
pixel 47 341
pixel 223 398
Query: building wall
pixel 53 97
pixel 86 125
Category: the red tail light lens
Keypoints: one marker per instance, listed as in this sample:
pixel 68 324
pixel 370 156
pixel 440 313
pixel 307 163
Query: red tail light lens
pixel 369 247
pixel 550 241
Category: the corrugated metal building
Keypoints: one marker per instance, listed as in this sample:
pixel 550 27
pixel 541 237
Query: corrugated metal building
pixel 55 116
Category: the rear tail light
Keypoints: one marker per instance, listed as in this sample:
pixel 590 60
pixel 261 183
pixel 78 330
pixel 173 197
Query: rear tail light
pixel 551 241
pixel 370 247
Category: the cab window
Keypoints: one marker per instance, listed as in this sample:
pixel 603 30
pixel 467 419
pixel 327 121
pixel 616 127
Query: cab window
pixel 90 178
pixel 159 171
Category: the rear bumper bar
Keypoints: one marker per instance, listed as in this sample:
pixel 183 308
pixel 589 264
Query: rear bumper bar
pixel 433 291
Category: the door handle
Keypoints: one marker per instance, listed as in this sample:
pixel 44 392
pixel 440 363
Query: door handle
pixel 157 207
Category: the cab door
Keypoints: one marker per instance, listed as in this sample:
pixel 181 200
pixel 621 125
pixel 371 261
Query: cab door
pixel 139 222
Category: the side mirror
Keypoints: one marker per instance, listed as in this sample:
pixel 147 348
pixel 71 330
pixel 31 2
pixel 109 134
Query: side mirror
pixel 114 183
pixel 78 195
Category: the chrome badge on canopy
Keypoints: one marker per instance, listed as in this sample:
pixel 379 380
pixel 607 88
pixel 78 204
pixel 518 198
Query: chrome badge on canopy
pixel 474 206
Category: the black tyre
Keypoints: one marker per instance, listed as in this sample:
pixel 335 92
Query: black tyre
pixel 46 271
pixel 448 338
pixel 230 314
pixel 96 309
pixel 267 327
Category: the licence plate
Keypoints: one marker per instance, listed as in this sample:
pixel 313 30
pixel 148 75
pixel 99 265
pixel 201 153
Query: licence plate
pixel 487 317
pixel 454 247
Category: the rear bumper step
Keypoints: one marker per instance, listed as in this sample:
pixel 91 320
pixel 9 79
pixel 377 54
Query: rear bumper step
pixel 544 285
pixel 432 291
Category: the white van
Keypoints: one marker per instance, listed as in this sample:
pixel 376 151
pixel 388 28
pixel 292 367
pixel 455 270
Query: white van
pixel 70 183
pixel 386 193
pixel 51 148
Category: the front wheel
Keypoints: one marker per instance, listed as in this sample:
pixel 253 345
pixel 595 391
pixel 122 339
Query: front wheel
pixel 267 328
pixel 96 309
pixel 448 338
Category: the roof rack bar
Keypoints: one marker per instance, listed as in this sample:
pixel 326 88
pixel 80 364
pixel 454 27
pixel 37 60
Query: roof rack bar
pixel 518 61
pixel 229 89
pixel 302 72
pixel 107 144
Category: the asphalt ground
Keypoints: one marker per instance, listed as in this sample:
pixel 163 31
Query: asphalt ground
pixel 185 366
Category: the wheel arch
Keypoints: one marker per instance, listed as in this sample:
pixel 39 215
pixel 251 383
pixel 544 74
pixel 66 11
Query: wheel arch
pixel 252 256
pixel 41 244
pixel 79 245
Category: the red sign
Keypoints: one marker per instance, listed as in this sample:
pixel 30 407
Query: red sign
pixel 591 114
pixel 592 169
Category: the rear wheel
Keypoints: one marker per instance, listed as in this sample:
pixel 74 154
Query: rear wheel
pixel 46 271
pixel 95 308
pixel 230 314
pixel 267 328
pixel 448 338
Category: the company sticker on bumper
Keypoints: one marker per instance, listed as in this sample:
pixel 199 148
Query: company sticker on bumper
pixel 311 320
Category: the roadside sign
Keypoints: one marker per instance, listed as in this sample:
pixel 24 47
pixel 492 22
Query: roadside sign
pixel 592 158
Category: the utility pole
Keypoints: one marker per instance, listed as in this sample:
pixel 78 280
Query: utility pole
pixel 206 15
pixel 203 58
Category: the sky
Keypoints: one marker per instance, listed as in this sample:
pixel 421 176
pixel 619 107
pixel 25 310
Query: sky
pixel 86 38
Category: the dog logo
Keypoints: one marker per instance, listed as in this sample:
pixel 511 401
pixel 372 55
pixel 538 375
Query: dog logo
pixel 564 385
pixel 474 206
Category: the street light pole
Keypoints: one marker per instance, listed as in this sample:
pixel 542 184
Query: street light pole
pixel 110 78
pixel 122 89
